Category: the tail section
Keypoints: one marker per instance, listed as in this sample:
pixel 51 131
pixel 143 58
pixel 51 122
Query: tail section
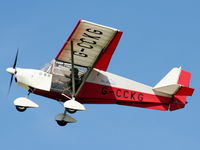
pixel 176 84
pixel 180 98
pixel 169 84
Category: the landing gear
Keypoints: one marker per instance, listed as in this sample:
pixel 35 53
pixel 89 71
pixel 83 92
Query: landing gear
pixel 21 108
pixel 22 103
pixel 63 118
pixel 71 105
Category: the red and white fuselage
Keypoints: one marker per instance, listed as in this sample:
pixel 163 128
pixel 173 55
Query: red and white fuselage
pixel 106 88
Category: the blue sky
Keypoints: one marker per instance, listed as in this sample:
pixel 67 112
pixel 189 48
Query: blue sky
pixel 158 35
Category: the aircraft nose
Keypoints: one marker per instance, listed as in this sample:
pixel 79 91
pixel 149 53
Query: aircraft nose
pixel 10 70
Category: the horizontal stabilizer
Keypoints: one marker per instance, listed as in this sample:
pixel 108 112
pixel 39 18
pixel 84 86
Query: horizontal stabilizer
pixel 185 91
pixel 169 89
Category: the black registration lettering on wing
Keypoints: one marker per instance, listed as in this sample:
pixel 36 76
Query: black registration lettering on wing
pixel 94 31
pixel 85 45
pixel 94 37
pixel 88 41
pixel 80 54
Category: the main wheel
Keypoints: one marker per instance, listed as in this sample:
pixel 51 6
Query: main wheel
pixel 61 122
pixel 21 108
pixel 71 111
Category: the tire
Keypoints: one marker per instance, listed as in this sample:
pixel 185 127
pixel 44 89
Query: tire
pixel 71 111
pixel 21 108
pixel 61 122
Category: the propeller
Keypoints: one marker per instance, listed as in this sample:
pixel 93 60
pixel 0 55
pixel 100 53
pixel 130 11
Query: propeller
pixel 12 70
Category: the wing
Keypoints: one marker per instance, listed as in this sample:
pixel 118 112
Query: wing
pixel 93 45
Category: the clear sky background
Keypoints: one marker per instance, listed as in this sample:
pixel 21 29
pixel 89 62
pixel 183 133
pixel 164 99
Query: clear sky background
pixel 157 36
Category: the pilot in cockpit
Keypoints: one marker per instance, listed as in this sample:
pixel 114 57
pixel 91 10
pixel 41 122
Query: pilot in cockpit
pixel 76 79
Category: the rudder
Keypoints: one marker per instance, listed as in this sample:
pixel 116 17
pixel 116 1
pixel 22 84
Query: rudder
pixel 180 98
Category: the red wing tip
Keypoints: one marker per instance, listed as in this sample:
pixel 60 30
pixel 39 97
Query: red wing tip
pixel 121 32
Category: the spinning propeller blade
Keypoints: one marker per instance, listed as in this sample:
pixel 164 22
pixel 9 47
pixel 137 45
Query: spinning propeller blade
pixel 10 84
pixel 16 57
pixel 12 71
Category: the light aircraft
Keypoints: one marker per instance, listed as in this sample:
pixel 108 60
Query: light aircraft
pixel 77 76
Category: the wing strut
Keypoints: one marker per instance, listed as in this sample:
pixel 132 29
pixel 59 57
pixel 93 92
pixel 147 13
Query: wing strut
pixel 72 69
pixel 72 103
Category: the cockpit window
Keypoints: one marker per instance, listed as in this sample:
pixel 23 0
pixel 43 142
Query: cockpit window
pixel 61 80
pixel 47 67
pixel 64 69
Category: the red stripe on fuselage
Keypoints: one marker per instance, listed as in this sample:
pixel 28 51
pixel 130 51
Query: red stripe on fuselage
pixel 101 94
pixel 163 107
pixel 110 94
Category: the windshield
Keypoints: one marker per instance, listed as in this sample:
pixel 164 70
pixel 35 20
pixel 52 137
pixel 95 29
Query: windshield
pixel 47 67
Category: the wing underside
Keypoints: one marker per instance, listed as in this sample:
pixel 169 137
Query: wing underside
pixel 90 42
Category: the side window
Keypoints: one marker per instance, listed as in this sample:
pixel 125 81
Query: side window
pixel 61 80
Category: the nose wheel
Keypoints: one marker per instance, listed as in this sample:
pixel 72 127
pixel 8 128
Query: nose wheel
pixel 61 122
pixel 63 119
